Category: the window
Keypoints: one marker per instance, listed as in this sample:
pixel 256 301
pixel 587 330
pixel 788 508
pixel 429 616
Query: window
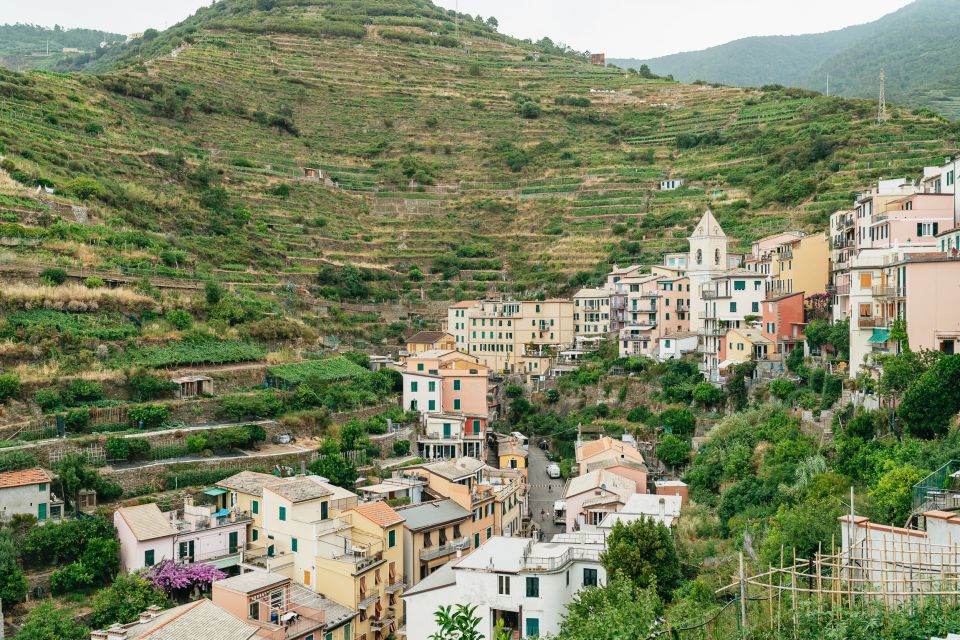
pixel 413 386
pixel 456 404
pixel 419 366
pixel 432 405
pixel 533 587
pixel 391 538
pixel 293 545
pixel 255 506
pixel 489 532
pixel 476 427
pixel 533 627
pixel 413 403
pixel 323 510
pixel 538 308
pixel 431 386
pixel 43 487
pixel 699 256
pixel 739 285
pixel 733 307
pixel 928 228
pixel 589 577
pixel 255 610
pixel 476 540
pixel 446 429
pixel 756 285
pixel 755 307
pixel 716 256
pixel 256 535
pixel 42 511
pixel 950 178
pixel 149 558
pixel 866 280
pixel 456 385
pixel 503 585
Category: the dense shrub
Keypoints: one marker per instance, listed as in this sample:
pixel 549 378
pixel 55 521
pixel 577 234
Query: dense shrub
pixel 148 416
pixel 179 319
pixel 9 386
pixel 146 386
pixel 53 276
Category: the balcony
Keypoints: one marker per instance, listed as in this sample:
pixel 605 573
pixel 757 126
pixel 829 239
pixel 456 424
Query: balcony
pixel 395 586
pixel 552 563
pixel 873 323
pixel 369 598
pixel 384 621
pixel 711 293
pixel 432 553
pixel 883 291
pixel 842 289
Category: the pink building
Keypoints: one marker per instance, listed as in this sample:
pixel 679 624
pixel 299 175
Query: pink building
pixel 589 498
pixel 783 322
pixel 913 220
pixel 198 533
pixel 926 291
pixel 445 382
pixel 764 251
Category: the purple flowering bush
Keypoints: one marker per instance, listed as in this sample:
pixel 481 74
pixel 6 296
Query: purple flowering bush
pixel 169 576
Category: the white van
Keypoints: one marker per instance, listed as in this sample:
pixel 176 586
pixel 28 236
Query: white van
pixel 553 470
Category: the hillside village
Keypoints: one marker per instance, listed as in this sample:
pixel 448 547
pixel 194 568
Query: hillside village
pixel 684 365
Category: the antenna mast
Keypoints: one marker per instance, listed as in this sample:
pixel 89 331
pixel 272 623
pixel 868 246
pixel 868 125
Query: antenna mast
pixel 882 108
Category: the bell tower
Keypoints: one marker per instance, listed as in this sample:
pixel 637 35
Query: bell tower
pixel 708 258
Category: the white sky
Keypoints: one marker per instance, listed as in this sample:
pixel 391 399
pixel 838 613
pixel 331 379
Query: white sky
pixel 621 28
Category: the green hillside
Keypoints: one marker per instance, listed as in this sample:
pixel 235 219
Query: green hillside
pixel 461 160
pixel 916 46
pixel 27 46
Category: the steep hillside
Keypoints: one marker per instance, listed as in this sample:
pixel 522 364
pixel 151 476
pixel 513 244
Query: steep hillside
pixel 459 159
pixel 916 46
pixel 27 46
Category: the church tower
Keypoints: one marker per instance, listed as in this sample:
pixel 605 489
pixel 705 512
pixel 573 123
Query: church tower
pixel 708 258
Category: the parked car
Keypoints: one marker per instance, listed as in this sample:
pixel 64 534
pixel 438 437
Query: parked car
pixel 553 470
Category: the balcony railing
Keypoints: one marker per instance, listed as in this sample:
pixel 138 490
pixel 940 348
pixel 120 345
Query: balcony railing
pixel 384 621
pixel 551 563
pixel 713 294
pixel 395 586
pixel 884 291
pixel 872 323
pixel 369 598
pixel 431 553
pixel 842 290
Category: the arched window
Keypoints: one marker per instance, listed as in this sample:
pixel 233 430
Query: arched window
pixel 699 256
pixel 716 256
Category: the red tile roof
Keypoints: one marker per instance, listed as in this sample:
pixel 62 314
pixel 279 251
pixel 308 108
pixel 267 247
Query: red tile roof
pixel 379 513
pixel 22 478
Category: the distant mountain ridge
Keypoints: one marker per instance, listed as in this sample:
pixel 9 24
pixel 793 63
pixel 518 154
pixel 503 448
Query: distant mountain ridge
pixel 28 46
pixel 917 47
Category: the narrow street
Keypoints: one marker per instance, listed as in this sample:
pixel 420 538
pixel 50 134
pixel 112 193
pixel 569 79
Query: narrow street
pixel 543 491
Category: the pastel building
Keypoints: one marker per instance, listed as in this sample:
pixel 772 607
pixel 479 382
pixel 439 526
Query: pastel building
pixel 614 456
pixel 728 301
pixel 803 264
pixel 28 492
pixel 430 341
pixel 524 583
pixel 765 252
pixel 783 323
pixel 197 534
pixel 926 291
pixel 708 260
pixel 590 497
pixel 447 382
pixel 448 436
pixel 591 312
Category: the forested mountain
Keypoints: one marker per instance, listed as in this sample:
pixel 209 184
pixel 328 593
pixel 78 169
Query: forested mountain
pixel 27 46
pixel 457 159
pixel 916 46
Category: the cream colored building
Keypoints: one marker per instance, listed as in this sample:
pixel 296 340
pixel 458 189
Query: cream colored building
pixel 708 260
pixel 591 312
pixel 510 335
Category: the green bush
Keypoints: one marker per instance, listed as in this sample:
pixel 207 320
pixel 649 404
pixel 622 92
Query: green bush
pixel 148 415
pixel 117 449
pixel 530 110
pixel 781 388
pixel 94 282
pixel 640 413
pixel 401 448
pixel 47 398
pixel 53 276
pixel 17 460
pixel 139 448
pixel 79 391
pixel 77 419
pixel 86 188
pixel 9 386
pixel 146 386
pixel 179 319
pixel 680 422
pixel 73 577
pixel 264 405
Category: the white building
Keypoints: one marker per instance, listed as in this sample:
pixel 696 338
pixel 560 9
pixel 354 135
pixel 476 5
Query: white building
pixel 726 303
pixel 708 259
pixel 27 492
pixel 671 185
pixel 452 436
pixel 676 345
pixel 525 583
pixel 659 508
pixel 422 391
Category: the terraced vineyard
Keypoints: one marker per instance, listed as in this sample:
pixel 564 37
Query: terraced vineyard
pixel 199 152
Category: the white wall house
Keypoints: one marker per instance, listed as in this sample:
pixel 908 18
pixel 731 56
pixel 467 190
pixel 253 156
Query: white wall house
pixel 675 345
pixel 526 583
pixel 422 392
pixel 27 492
pixel 671 185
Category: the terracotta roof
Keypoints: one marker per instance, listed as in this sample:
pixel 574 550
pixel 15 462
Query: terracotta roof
pixel 22 478
pixel 379 513
pixel 200 620
pixel 146 521
pixel 621 449
pixel 428 337
pixel 465 304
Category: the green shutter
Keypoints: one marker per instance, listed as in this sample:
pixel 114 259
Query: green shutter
pixel 149 558
pixel 323 510
pixel 391 538
pixel 42 511
pixel 283 513
pixel 293 544
pixel 256 506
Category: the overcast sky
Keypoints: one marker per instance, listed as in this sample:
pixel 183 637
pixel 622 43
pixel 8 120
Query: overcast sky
pixel 621 28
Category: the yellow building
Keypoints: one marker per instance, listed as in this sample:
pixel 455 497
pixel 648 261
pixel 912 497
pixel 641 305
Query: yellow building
pixel 434 533
pixel 510 335
pixel 803 265
pixel 244 492
pixel 430 341
pixel 512 455
pixel 741 345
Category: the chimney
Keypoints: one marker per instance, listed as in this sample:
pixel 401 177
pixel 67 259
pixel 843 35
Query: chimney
pixel 116 632
pixel 154 610
pixel 98 635
pixel 663 508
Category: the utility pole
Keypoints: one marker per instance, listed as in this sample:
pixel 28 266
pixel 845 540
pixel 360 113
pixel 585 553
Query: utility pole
pixel 743 601
pixel 828 84
pixel 882 107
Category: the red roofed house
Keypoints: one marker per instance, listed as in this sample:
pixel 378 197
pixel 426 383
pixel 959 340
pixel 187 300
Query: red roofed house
pixel 28 492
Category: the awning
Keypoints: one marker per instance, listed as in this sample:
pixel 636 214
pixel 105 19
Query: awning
pixel 216 491
pixel 726 364
pixel 223 513
pixel 879 335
